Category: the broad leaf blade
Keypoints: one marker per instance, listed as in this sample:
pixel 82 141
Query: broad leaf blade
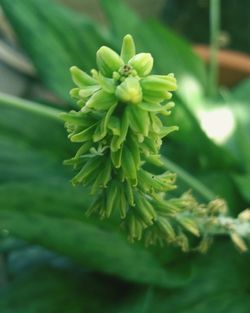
pixel 90 245
pixel 55 38
pixel 39 292
pixel 212 289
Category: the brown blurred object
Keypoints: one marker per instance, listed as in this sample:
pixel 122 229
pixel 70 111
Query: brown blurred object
pixel 234 66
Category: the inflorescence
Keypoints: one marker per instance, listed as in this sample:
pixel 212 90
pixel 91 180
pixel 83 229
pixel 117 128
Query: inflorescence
pixel 119 130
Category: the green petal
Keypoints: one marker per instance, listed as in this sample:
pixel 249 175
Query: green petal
pixel 128 48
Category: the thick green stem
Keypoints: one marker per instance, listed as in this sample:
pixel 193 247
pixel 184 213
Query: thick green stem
pixel 214 46
pixel 29 106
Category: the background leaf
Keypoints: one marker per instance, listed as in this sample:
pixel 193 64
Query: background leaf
pixel 55 38
pixel 240 101
pixel 46 290
pixel 212 288
pixel 54 290
pixel 91 246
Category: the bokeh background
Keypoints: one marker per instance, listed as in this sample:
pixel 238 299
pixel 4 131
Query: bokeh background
pixel 52 258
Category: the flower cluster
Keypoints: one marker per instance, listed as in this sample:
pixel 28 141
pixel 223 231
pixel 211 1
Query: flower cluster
pixel 119 130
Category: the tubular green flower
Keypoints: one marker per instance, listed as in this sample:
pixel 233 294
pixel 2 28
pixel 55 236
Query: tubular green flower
pixel 101 101
pixel 108 61
pixel 80 78
pixel 128 48
pixel 159 83
pixel 119 131
pixel 129 91
pixel 157 88
pixel 142 63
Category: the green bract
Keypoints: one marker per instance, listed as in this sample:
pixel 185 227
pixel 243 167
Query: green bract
pixel 119 130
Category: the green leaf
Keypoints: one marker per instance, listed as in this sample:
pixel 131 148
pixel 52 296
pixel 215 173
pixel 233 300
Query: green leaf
pixel 243 183
pixel 241 91
pixel 39 291
pixel 33 125
pixel 91 246
pixel 55 38
pixel 50 197
pixel 223 186
pixel 240 105
pixel 211 289
pixel 175 55
pixel 239 101
pixel 22 163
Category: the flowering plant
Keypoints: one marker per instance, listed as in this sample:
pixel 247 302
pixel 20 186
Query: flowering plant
pixel 119 129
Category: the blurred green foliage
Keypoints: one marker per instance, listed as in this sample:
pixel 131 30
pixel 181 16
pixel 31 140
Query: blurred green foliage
pixel 103 272
pixel 191 19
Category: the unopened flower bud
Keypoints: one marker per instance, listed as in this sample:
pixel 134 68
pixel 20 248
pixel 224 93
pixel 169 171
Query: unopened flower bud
pixel 108 61
pixel 166 227
pixel 154 96
pixel 142 63
pixel 244 216
pixel 129 91
pixel 204 245
pixel 159 83
pixel 116 76
pixel 217 206
pixel 86 92
pixel 74 93
pixel 101 100
pixel 239 242
pixel 128 48
pixel 80 78
pixel 190 225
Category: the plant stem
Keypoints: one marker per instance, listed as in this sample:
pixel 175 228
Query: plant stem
pixel 214 46
pixel 29 106
pixel 225 224
pixel 190 180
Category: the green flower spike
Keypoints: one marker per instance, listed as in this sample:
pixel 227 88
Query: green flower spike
pixel 119 130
